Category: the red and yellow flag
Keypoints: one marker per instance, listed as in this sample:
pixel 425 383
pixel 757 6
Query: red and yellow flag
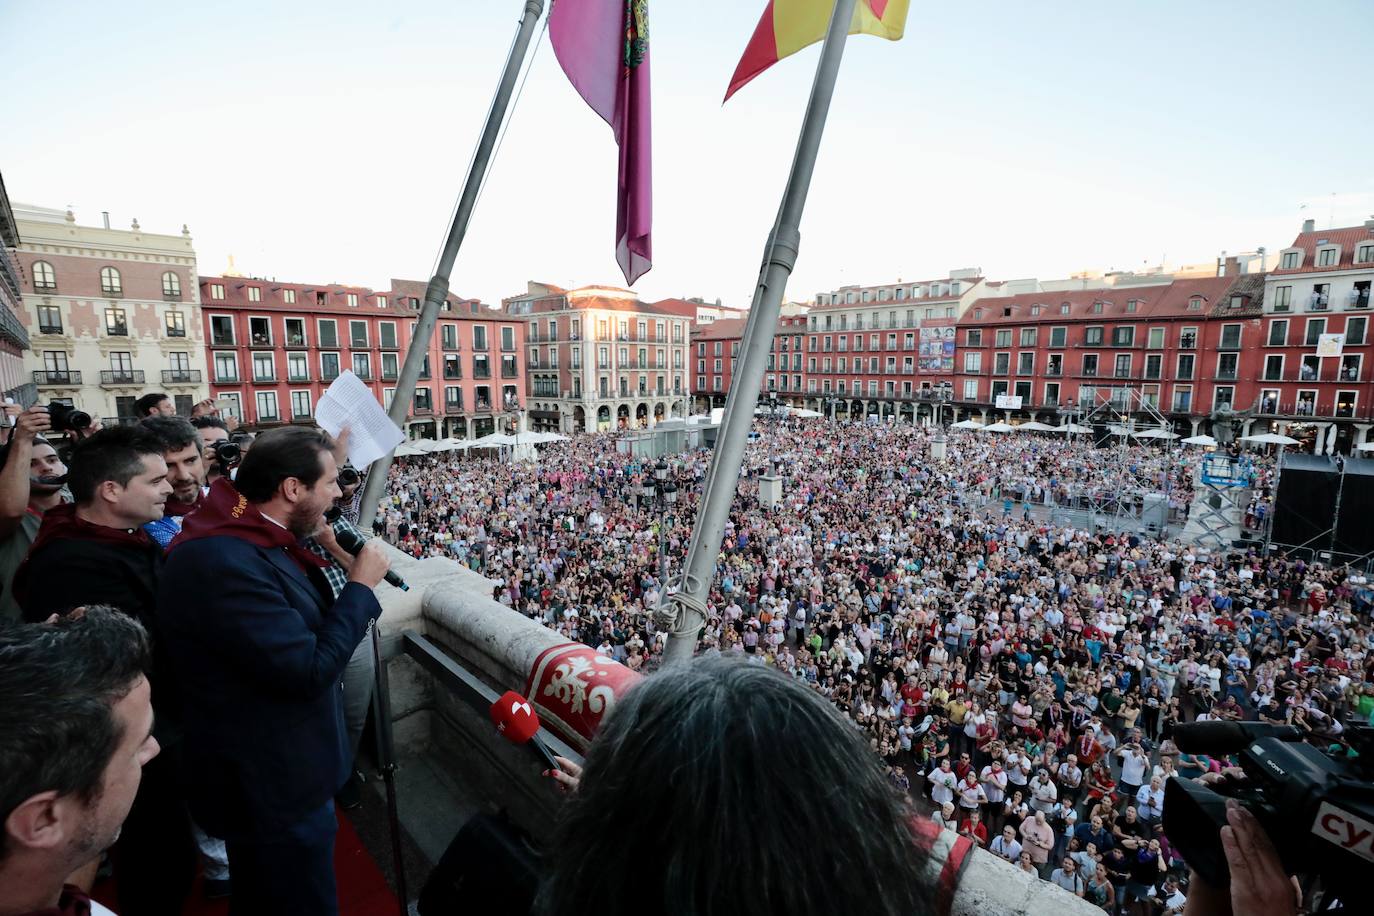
pixel 788 26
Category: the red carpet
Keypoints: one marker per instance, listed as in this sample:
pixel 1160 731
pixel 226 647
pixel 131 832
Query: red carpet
pixel 362 889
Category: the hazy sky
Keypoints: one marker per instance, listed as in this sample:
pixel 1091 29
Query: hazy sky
pixel 327 141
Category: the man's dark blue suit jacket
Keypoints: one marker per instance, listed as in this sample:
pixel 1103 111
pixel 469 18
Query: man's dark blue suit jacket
pixel 260 651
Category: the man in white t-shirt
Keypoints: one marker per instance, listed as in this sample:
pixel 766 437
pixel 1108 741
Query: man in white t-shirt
pixel 1006 845
pixel 75 757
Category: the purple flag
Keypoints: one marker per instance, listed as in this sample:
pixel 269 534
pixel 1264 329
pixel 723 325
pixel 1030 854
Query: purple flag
pixel 603 47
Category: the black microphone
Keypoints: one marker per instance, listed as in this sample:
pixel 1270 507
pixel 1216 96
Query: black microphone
pixel 1227 737
pixel 349 540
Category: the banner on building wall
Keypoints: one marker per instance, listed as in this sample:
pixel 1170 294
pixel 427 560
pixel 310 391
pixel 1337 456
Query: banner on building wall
pixel 1330 344
pixel 936 349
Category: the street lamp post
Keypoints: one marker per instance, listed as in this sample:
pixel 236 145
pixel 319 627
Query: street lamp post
pixel 661 494
pixel 516 411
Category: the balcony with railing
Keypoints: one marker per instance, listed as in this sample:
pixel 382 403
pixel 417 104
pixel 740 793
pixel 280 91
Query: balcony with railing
pixel 181 376
pixel 453 407
pixel 296 375
pixel 49 328
pixel 57 377
pixel 328 375
pixel 121 377
pixel 117 329
pixel 174 332
pixel 296 341
pixel 221 338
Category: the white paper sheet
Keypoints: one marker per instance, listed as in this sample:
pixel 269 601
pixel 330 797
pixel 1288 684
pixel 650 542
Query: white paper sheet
pixel 371 434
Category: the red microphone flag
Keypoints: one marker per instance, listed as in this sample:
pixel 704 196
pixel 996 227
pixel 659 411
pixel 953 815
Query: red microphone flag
pixel 514 717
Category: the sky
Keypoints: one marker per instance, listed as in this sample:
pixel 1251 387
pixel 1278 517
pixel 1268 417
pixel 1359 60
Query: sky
pixel 328 141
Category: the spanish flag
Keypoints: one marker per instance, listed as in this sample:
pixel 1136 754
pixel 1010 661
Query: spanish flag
pixel 788 26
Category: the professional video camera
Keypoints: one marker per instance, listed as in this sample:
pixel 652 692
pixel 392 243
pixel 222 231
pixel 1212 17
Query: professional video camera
pixel 66 418
pixel 349 476
pixel 1295 791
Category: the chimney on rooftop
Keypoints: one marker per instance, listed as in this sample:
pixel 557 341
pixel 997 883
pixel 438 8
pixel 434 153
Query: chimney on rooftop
pixel 1309 225
pixel 105 215
pixel 1232 268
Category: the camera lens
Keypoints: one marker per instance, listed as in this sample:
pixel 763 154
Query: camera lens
pixel 227 451
pixel 348 476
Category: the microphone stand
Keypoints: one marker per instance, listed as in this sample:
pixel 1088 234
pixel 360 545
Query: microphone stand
pixel 386 753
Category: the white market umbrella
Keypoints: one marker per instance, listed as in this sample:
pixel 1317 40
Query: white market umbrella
pixel 448 445
pixel 1270 439
pixel 1156 434
pixel 492 440
pixel 1118 430
pixel 427 445
pixel 1200 440
pixel 998 427
pixel 966 424
pixel 804 413
pixel 1035 426
pixel 406 451
pixel 1073 428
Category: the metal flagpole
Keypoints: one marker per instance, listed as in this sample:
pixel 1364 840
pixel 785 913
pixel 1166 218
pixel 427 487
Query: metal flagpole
pixel 684 612
pixel 437 291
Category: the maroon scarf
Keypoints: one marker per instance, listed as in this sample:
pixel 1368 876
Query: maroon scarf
pixel 73 902
pixel 62 523
pixel 225 512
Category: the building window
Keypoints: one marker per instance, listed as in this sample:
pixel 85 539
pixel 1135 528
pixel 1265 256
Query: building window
pixel 386 332
pixel 1363 254
pixel 357 335
pixel 362 366
pixel 974 339
pixel 1183 398
pixel 329 367
pixel 1355 330
pixel 1186 362
pixel 1123 336
pixel 264 368
pixel 255 294
pixel 1003 338
pixel 1230 336
pixel 1156 339
pixel 352 300
pixel 1092 337
pixel 110 284
pixel 1326 257
pixel 171 285
pixel 479 337
pixel 300 405
pixel 1283 298
pixel 44 278
pixel 381 302
pixel 1316 327
pixel 1226 366
pixel 1132 305
pixel 226 367
pixel 1291 260
pixel 267 407
pixel 175 324
pixel 329 332
pixel 288 296
pixel 115 323
pixel 1273 367
pixel 216 290
pixel 1278 333
pixel 297 367
pixel 1090 365
pixel 295 332
pixel 1154 363
pixel 260 332
pixel 1195 304
pixel 49 319
pixel 1029 336
pixel 221 331
pixel 389 362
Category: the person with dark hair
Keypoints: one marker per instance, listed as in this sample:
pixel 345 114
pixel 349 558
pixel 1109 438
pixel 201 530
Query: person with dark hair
pixel 75 733
pixel 32 481
pixel 154 404
pixel 185 472
pixel 211 430
pixel 693 752
pixel 95 551
pixel 260 658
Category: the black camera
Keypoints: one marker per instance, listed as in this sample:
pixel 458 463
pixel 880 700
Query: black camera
pixel 349 476
pixel 66 418
pixel 227 453
pixel 1318 810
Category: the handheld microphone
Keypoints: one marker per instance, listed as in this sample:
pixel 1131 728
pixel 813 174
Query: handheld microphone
pixel 516 720
pixel 351 542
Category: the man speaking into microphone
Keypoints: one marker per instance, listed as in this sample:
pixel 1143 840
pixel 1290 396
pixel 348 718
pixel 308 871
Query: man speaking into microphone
pixel 260 639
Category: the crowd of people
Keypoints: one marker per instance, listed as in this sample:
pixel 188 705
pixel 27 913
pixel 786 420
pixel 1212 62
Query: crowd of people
pixel 1021 680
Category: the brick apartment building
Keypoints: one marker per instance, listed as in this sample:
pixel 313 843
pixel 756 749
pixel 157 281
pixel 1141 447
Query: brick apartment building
pixel 14 339
pixel 715 351
pixel 274 347
pixel 601 359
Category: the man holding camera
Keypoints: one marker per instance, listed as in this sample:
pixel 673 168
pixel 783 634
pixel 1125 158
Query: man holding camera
pixel 76 721
pixel 95 551
pixel 32 481
pixel 260 660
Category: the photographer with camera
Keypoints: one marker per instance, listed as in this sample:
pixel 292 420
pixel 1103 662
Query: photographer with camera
pixel 220 454
pixel 260 660
pixel 75 734
pixel 32 481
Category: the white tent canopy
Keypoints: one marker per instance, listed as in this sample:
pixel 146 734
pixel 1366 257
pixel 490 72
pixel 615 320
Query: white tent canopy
pixel 998 427
pixel 804 413
pixel 1035 426
pixel 1269 439
pixel 1073 428
pixel 967 424
pixel 539 438
pixel 1156 434
pixel 1200 440
pixel 405 450
pixel 492 440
